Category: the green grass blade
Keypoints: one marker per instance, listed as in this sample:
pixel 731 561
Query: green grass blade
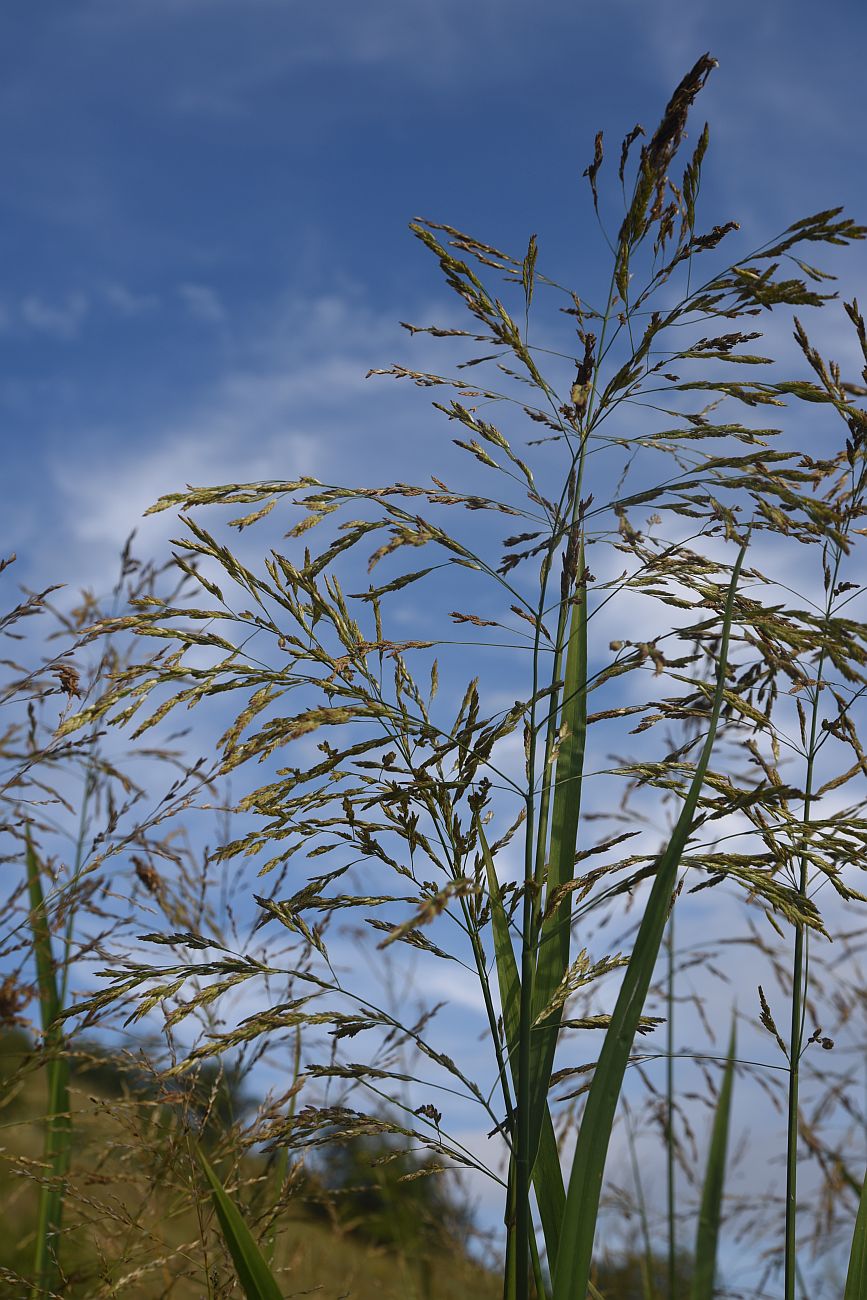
pixel 856 1277
pixel 707 1235
pixel 58 1123
pixel 549 1188
pixel 46 974
pixel 547 1175
pixel 510 1268
pixel 588 1166
pixel 256 1278
pixel 555 935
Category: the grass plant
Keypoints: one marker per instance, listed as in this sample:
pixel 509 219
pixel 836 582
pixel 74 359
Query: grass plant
pixel 660 475
pixel 94 878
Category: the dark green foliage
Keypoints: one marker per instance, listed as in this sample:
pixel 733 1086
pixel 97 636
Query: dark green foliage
pixel 624 1278
pixel 388 1196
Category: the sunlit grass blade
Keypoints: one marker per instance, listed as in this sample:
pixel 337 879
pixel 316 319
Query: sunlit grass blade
pixel 256 1278
pixel 58 1123
pixel 547 1175
pixel 707 1235
pixel 555 934
pixel 856 1277
pixel 588 1166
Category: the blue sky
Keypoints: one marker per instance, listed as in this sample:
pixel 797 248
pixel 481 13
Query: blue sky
pixel 205 205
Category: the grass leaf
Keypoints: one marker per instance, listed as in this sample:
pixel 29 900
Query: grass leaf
pixel 547 1175
pixel 856 1277
pixel 555 935
pixel 707 1234
pixel 255 1276
pixel 585 1184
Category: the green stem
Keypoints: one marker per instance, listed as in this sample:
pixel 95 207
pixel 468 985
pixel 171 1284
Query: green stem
pixel 647 1262
pixel 578 464
pixel 669 1112
pixel 799 986
pixel 509 1274
pixel 484 982
pixel 281 1160
pixel 534 872
pixel 523 1171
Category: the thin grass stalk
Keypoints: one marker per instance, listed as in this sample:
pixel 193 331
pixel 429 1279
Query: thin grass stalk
pixel 647 1263
pixel 547 1175
pixel 550 740
pixel 547 961
pixel 281 1162
pixel 90 770
pixel 710 1213
pixel 799 979
pixel 68 934
pixel 554 939
pixel 510 1281
pixel 256 1279
pixel 585 1182
pixel 669 1112
pixel 523 1135
pixel 524 1154
pixel 805 1294
pixel 533 1115
pixel 58 1124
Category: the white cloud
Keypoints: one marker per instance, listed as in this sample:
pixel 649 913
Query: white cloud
pixel 127 303
pixel 290 401
pixel 61 320
pixel 203 303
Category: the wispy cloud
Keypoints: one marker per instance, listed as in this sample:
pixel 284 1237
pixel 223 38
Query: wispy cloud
pixel 289 401
pixel 62 320
pixel 127 303
pixel 203 303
